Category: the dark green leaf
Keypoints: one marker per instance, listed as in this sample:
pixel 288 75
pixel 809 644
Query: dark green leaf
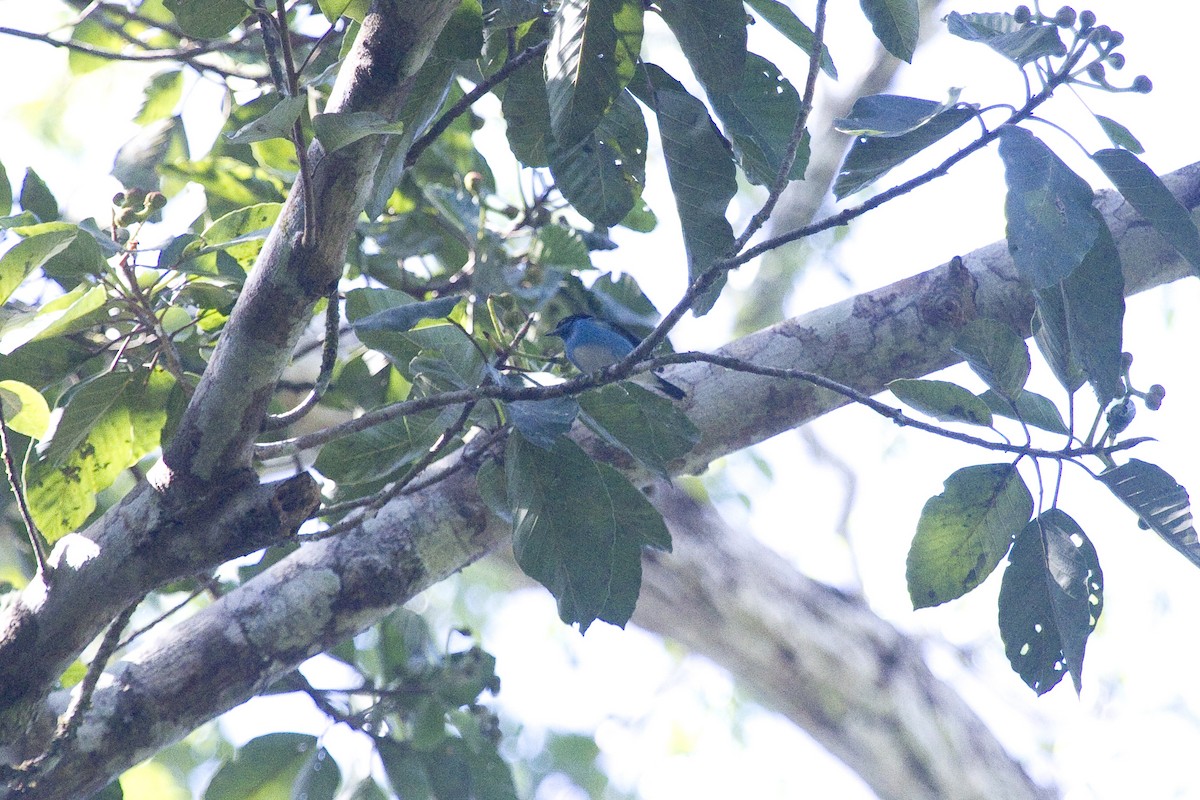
pixel 996 353
pixel 559 247
pixel 382 450
pixel 541 422
pixel 344 128
pixel 942 400
pixel 1119 135
pixel 888 115
pixel 263 767
pixel 157 144
pixel 578 529
pixel 1159 502
pixel 369 790
pixel 493 488
pixel 784 20
pixel 79 309
pixel 712 35
pixel 594 47
pixel 759 116
pixel 111 792
pixel 83 257
pixel 1146 192
pixel 6 195
pixel 36 197
pixel 1094 300
pixel 1018 43
pixel 405 770
pixel 527 115
pixel 1050 334
pixel 29 254
pixel 1050 600
pixel 703 178
pixel 647 426
pixel 462 38
pixel 275 124
pixel 510 13
pixel 896 24
pixel 965 531
pixel 207 19
pixel 162 95
pixel 403 318
pixel 870 157
pixel 318 779
pixel 1051 222
pixel 1028 407
pixel 602 175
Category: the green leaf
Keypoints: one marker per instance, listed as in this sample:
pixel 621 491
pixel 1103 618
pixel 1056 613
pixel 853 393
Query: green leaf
pixel 1053 340
pixel 29 254
pixel 405 769
pixel 942 400
pixel 1001 32
pixel 759 116
pixel 1094 300
pixel 92 32
pixel 493 488
pixel 346 127
pixel 643 424
pixel 405 317
pixel 1119 135
pixel 108 424
pixel 84 256
pixel 784 20
pixel 896 24
pixel 603 175
pixel 1028 407
pixel 996 353
pixel 510 13
pixel 241 233
pixel 207 19
pixel 578 529
pixel 712 35
pixel 275 124
pixel 1052 225
pixel 1050 600
pixel 36 197
pixel 264 768
pixel 559 247
pixel 1146 192
pixel 594 46
pixel 6 195
pixel 381 451
pixel 871 157
pixel 335 9
pixel 25 410
pixel 319 777
pixel 81 308
pixel 161 96
pixel 964 532
pixel 462 38
pixel 1159 502
pixel 701 171
pixel 527 115
pixel 369 790
pixel 541 422
pixel 889 115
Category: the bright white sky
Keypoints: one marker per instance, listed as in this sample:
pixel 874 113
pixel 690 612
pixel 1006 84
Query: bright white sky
pixel 671 726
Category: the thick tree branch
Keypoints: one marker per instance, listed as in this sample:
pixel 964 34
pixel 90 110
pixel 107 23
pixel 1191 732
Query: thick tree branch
pixel 314 598
pixel 203 506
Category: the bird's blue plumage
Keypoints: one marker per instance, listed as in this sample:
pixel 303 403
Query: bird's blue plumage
pixel 591 344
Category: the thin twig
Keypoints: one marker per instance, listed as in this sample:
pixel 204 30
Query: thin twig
pixel 782 177
pixel 458 109
pixel 329 352
pixel 183 54
pixel 14 480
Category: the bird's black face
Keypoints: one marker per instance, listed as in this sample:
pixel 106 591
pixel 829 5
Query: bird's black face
pixel 567 324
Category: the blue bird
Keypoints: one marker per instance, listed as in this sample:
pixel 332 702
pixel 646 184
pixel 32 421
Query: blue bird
pixel 593 344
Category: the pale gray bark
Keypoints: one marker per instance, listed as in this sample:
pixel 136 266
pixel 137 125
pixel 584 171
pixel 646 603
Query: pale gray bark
pixel 326 591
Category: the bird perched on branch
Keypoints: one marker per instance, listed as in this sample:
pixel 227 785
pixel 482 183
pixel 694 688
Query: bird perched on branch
pixel 592 344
